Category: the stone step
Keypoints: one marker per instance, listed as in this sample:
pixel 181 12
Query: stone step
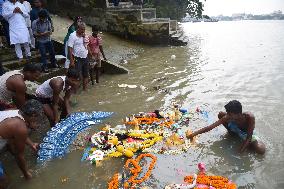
pixel 11 55
pixel 184 38
pixel 173 32
pixel 15 64
pixel 148 15
pixel 177 35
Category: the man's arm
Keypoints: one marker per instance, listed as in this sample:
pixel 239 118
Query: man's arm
pixel 251 125
pixel 70 51
pixel 67 97
pixel 57 87
pixel 50 20
pixel 71 57
pixel 17 85
pixel 208 128
pixel 6 12
pixel 34 28
pixel 34 146
pixel 20 136
pixel 102 51
pixel 22 10
pixel 101 47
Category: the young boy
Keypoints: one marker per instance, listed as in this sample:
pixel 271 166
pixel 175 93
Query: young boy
pixel 238 123
pixel 95 48
pixel 42 31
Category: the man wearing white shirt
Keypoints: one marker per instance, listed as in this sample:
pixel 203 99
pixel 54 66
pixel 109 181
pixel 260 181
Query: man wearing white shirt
pixel 15 13
pixel 28 8
pixel 78 52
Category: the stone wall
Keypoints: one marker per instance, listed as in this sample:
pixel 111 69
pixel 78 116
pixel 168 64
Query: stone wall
pixel 126 22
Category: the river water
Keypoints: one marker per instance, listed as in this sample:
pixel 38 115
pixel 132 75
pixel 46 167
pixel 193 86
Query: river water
pixel 223 61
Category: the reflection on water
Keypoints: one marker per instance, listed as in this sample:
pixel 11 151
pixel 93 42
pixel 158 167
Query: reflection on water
pixel 223 61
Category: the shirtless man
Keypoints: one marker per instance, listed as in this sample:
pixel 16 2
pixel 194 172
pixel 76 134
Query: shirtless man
pixel 12 86
pixel 48 94
pixel 239 123
pixel 14 126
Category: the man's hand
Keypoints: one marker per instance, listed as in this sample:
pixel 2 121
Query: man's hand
pixel 35 147
pixel 17 10
pixel 28 175
pixel 72 64
pixel 189 134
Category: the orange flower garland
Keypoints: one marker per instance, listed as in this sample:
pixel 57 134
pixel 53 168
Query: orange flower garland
pixel 113 184
pixel 149 121
pixel 136 170
pixel 217 182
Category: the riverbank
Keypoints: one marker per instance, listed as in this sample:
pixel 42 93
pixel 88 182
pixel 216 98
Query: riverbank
pixel 219 64
pixel 117 53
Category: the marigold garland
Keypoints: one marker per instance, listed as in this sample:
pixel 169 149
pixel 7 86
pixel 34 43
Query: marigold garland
pixel 136 170
pixel 150 121
pixel 217 182
pixel 113 184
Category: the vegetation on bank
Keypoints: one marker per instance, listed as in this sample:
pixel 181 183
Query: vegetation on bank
pixel 176 9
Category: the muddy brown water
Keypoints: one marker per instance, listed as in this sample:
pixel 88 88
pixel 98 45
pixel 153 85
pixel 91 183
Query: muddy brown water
pixel 223 61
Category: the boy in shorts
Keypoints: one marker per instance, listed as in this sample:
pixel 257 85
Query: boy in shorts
pixel 95 48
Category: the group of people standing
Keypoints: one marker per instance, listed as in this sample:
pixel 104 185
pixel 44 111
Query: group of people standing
pixel 29 27
pixel 83 52
pixel 20 112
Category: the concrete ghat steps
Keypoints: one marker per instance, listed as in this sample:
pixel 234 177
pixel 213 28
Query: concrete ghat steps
pixel 178 34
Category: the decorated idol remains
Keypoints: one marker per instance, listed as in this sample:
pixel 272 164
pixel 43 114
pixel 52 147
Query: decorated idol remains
pixel 160 132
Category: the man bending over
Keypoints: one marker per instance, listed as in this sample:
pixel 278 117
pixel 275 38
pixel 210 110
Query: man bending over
pixel 12 86
pixel 238 123
pixel 14 126
pixel 48 94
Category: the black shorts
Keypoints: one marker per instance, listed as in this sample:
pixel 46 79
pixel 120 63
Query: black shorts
pixel 44 100
pixel 82 66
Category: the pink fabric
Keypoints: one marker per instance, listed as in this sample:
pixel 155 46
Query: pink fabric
pixel 201 167
pixel 94 44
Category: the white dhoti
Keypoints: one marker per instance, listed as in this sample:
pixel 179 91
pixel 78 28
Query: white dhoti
pixel 19 33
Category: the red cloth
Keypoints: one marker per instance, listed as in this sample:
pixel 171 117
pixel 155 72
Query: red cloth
pixel 94 44
pixel 6 106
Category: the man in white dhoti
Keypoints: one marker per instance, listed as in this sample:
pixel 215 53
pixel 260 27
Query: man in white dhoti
pixel 15 13
pixel 28 8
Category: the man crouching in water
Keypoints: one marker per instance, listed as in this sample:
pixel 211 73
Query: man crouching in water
pixel 48 94
pixel 14 125
pixel 238 123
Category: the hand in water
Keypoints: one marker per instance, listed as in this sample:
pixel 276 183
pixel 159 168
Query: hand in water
pixel 189 134
pixel 28 175
pixel 35 147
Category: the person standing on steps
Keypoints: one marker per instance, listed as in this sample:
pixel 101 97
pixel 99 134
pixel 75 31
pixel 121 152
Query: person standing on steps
pixel 37 6
pixel 78 53
pixel 15 13
pixel 42 31
pixel 71 29
pixel 28 8
pixel 95 49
